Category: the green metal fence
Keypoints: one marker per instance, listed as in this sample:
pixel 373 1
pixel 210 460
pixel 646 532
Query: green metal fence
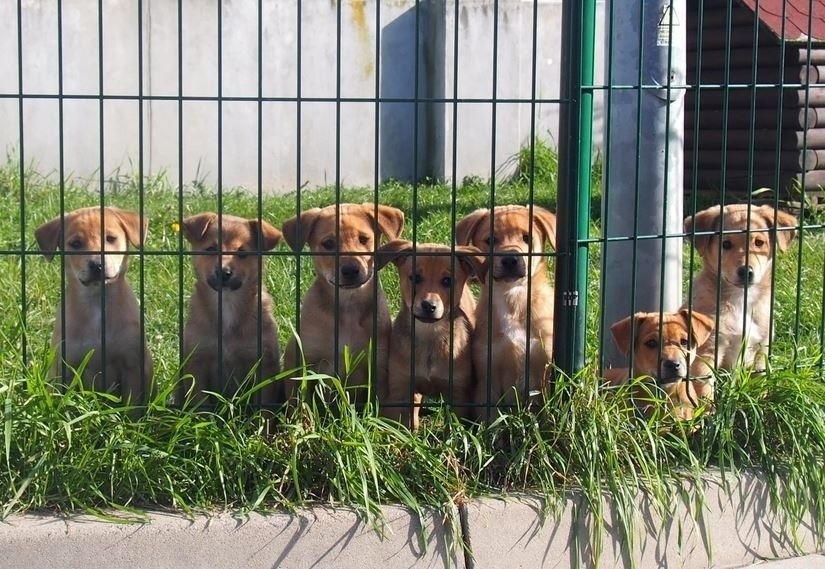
pixel 755 103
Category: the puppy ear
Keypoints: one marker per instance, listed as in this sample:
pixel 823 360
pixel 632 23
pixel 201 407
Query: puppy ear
pixel 700 326
pixel 784 220
pixel 131 222
pixel 390 220
pixel 48 237
pixel 547 223
pixel 196 226
pixel 393 251
pixel 705 220
pixel 472 259
pixel 296 230
pixel 623 330
pixel 267 235
pixel 466 228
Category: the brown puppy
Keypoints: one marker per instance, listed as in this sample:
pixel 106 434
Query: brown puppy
pixel 664 349
pixel 444 311
pixel 228 277
pixel 501 336
pixel 742 272
pixel 350 238
pixel 96 243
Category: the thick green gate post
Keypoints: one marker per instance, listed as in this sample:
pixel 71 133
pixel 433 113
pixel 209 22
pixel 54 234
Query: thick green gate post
pixel 573 206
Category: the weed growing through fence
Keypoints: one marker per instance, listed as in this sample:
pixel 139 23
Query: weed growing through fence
pixel 66 449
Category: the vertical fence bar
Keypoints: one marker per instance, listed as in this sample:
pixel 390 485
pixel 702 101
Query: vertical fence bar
pixel 575 137
pixel 22 173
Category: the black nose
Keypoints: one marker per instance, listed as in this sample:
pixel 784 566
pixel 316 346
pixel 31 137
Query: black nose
pixel 745 274
pixel 349 271
pixel 428 306
pixel 224 273
pixel 509 262
pixel 672 365
pixel 95 267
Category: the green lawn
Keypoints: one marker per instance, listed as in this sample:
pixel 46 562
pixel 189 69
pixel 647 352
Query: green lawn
pixel 65 448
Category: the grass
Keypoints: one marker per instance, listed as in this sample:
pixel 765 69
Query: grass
pixel 66 449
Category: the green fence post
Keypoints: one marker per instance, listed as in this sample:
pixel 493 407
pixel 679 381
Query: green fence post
pixel 573 206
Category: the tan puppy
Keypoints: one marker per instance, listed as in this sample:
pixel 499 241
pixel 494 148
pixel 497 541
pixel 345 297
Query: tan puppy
pixel 98 299
pixel 664 349
pixel 744 268
pixel 444 311
pixel 350 237
pixel 501 336
pixel 228 276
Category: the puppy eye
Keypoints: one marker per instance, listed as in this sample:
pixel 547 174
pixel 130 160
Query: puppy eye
pixel 242 253
pixel 212 248
pixel 416 279
pixel 759 242
pixel 363 239
pixel 75 244
pixel 446 282
pixel 526 238
pixel 652 343
pixel 683 342
pixel 329 244
pixel 726 244
pixel 490 240
pixel 111 239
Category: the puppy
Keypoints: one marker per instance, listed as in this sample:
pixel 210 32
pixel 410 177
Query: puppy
pixel 101 312
pixel 343 246
pixel 230 302
pixel 444 311
pixel 664 349
pixel 501 337
pixel 737 267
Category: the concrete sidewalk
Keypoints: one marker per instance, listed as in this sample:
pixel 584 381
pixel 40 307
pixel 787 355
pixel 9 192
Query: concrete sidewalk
pixel 732 527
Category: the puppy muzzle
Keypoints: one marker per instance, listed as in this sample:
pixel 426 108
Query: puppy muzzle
pixel 671 371
pixel 352 275
pixel 744 276
pixel 428 311
pixel 510 267
pixel 224 278
pixel 95 273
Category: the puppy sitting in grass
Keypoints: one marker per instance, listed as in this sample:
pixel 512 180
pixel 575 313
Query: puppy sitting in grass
pixel 737 273
pixel 431 355
pixel 230 306
pixel 516 292
pixel 101 312
pixel 345 308
pixel 664 349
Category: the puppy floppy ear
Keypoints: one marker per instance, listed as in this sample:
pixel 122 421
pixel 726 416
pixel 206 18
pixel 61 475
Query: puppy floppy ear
pixel 393 251
pixel 546 221
pixel 466 228
pixel 700 326
pixel 131 222
pixel 472 260
pixel 195 227
pixel 49 238
pixel 296 230
pixel 623 330
pixel 705 220
pixel 267 235
pixel 390 220
pixel 784 220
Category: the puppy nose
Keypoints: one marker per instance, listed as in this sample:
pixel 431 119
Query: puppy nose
pixel 225 273
pixel 95 267
pixel 349 270
pixel 428 306
pixel 509 262
pixel 672 365
pixel 745 274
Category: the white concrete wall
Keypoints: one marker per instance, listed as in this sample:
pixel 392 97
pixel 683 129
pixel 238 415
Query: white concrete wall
pixel 432 33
